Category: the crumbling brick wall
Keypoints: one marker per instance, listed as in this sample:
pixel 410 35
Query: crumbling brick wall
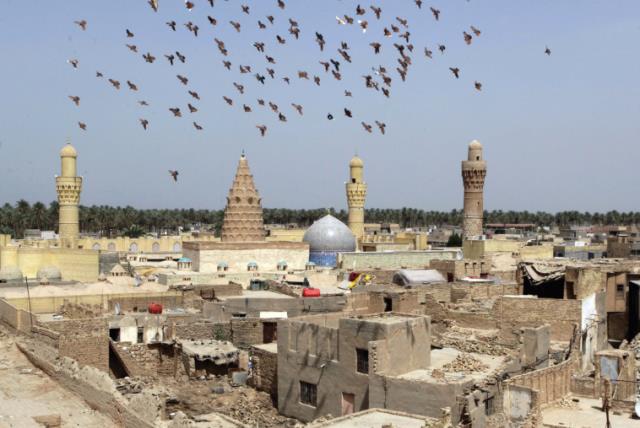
pixel 512 313
pixel 265 371
pixel 551 383
pixel 84 340
pixel 481 291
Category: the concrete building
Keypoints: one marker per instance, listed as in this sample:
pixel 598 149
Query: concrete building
pixel 474 171
pixel 325 361
pixel 356 195
pixel 68 188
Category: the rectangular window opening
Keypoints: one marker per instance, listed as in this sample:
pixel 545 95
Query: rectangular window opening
pixel 362 361
pixel 308 393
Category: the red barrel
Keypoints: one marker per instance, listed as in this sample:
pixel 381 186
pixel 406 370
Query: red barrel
pixel 311 292
pixel 155 308
pixel 353 276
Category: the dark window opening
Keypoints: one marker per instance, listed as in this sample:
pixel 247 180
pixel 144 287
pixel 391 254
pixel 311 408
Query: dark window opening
pixel 140 334
pixel 353 180
pixel 269 332
pixel 114 334
pixel 620 291
pixel 449 277
pixel 388 304
pixel 362 361
pixel 308 394
pixel 477 157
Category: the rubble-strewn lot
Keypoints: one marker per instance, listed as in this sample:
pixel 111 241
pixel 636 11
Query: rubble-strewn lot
pixel 243 403
pixel 27 393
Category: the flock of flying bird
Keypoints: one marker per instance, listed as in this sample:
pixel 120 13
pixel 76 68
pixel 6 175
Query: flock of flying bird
pixel 379 80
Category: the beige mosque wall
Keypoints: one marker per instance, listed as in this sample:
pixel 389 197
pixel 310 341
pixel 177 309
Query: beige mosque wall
pixel 285 235
pixel 74 265
pixel 164 244
pixel 267 255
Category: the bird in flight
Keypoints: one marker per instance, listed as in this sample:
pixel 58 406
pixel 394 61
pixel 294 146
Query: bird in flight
pixel 82 126
pixel 144 123
pixel 75 99
pixel 547 50
pixel 477 85
pixel 263 129
pixel 82 24
pixel 436 13
pixel 174 174
pixel 455 71
pixel 74 62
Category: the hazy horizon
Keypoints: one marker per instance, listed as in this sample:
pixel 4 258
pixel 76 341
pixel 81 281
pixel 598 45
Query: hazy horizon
pixel 558 131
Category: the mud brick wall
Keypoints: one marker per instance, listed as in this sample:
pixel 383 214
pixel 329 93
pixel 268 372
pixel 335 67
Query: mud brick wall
pixel 482 291
pixel 203 330
pixel 86 341
pixel 265 371
pixel 512 313
pixel 552 383
pixel 246 332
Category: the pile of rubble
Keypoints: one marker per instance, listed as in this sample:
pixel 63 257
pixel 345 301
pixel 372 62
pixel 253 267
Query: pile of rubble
pixel 567 403
pixel 128 385
pixel 465 363
pixel 634 346
pixel 471 340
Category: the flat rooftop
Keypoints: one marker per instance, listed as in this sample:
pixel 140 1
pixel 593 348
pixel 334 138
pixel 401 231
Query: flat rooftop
pixel 389 318
pixel 376 418
pixel 258 294
pixel 441 357
pixel 77 289
pixel 269 347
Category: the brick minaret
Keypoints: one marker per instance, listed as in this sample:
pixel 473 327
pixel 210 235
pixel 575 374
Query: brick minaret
pixel 356 195
pixel 243 213
pixel 474 170
pixel 68 188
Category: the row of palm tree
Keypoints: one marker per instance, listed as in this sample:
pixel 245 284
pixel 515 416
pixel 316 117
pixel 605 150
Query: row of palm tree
pixel 111 221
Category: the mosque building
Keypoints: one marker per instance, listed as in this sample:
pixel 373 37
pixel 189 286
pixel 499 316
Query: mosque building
pixel 243 247
pixel 327 237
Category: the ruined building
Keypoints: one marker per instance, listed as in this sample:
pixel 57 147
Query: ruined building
pixel 356 195
pixel 243 213
pixel 474 170
pixel 68 187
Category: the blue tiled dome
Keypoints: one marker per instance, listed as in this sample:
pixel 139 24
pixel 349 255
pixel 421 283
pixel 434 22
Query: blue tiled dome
pixel 329 235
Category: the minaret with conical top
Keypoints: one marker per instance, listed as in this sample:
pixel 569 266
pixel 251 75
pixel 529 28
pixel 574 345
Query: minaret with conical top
pixel 474 171
pixel 243 214
pixel 68 188
pixel 356 195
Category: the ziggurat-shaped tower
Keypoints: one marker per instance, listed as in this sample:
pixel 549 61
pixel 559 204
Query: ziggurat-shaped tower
pixel 356 196
pixel 243 214
pixel 68 188
pixel 474 171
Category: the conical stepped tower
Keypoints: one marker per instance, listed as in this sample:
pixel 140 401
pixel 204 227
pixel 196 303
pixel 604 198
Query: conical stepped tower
pixel 243 213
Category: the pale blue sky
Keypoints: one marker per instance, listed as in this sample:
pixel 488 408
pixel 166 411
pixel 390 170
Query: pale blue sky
pixel 560 132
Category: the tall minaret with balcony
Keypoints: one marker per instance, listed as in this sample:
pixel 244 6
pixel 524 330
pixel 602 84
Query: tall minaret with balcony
pixel 474 171
pixel 68 188
pixel 356 195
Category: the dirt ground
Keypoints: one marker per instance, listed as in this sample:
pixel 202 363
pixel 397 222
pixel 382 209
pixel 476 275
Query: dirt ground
pixel 25 392
pixel 585 414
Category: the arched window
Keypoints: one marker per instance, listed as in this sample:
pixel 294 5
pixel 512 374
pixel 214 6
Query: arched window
pixel 177 247
pixel 111 246
pixel 96 246
pixel 155 247
pixel 133 248
pixel 237 199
